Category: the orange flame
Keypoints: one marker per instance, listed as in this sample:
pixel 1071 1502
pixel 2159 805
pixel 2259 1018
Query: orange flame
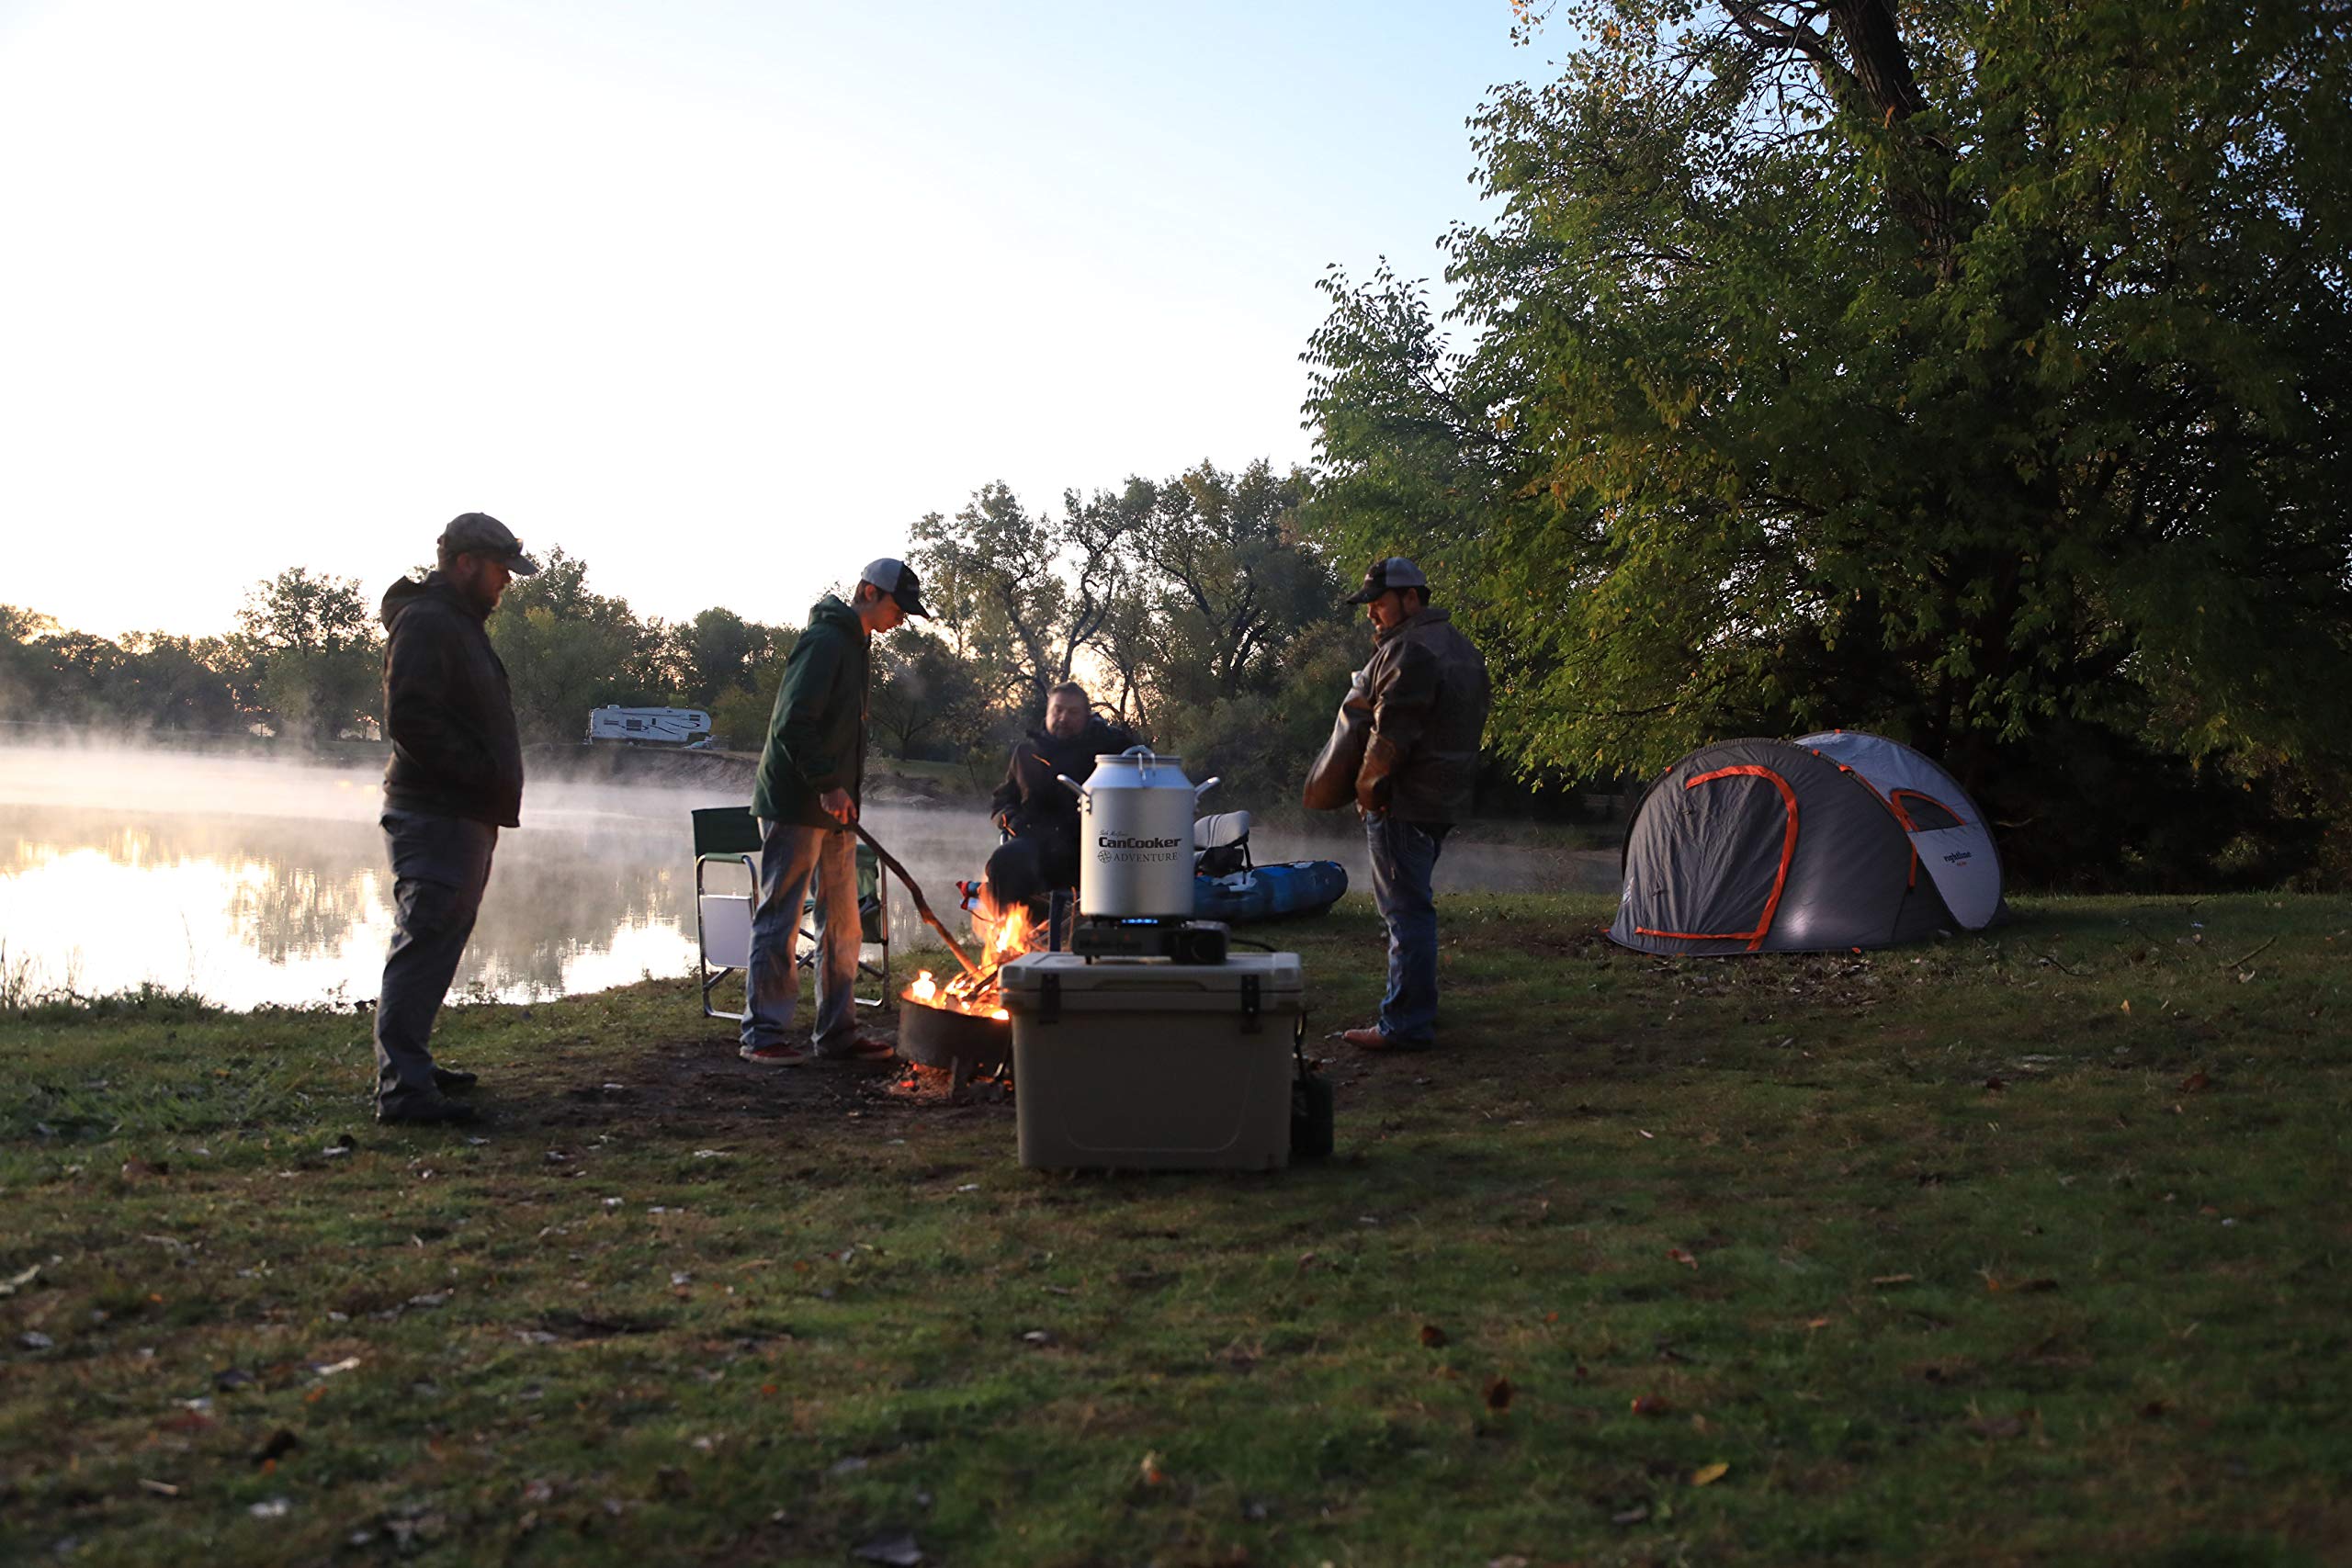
pixel 1012 933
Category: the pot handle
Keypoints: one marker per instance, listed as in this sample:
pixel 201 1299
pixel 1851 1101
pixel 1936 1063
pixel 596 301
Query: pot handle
pixel 1076 789
pixel 1201 789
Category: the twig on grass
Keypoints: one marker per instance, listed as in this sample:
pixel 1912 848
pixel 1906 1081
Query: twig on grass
pixel 2256 953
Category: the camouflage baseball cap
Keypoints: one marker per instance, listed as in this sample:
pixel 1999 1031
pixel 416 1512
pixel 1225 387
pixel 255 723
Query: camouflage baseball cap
pixel 478 533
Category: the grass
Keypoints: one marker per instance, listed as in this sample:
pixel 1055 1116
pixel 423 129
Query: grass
pixel 1941 1255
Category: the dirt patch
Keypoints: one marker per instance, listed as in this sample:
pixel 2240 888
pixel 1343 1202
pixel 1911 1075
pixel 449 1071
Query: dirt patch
pixel 700 1085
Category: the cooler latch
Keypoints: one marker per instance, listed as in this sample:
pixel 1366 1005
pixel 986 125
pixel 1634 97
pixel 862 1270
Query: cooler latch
pixel 1049 999
pixel 1249 1004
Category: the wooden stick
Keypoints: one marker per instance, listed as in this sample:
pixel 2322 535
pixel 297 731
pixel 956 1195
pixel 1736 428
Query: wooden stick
pixel 923 904
pixel 2245 956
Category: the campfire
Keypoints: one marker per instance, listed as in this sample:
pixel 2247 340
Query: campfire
pixel 1008 933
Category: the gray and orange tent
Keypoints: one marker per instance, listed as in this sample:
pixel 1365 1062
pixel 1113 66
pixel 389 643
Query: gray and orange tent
pixel 1839 840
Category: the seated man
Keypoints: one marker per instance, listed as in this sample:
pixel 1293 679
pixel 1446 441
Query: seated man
pixel 1036 808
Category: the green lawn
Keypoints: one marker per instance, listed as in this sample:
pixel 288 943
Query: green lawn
pixel 2021 1249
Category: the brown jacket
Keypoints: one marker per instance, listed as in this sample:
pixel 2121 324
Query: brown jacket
pixel 1429 694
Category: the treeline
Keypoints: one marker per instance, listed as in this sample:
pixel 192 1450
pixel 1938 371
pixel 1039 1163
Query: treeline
pixel 1194 607
pixel 1969 372
pixel 304 661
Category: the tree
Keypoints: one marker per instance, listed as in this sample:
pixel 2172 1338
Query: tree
pixel 1231 580
pixel 928 700
pixel 1020 594
pixel 1971 371
pixel 568 649
pixel 714 653
pixel 311 653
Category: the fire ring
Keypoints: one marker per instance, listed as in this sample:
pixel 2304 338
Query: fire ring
pixel 966 1044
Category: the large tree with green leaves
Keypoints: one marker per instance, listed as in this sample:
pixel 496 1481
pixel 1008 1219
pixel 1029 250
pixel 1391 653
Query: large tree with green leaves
pixel 1023 593
pixel 312 654
pixel 568 648
pixel 1973 371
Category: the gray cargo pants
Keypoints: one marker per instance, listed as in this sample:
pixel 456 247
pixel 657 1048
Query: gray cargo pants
pixel 440 866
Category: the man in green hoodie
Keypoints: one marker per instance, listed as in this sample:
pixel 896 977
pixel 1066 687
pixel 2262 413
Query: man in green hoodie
pixel 811 774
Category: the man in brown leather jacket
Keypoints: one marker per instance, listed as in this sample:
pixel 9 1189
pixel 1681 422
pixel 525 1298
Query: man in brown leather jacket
pixel 1429 690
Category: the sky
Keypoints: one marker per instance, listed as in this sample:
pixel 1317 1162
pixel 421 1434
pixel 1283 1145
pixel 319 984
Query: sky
pixel 720 297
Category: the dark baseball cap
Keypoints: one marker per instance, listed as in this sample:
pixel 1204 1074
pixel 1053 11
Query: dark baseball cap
pixel 478 533
pixel 897 579
pixel 1383 575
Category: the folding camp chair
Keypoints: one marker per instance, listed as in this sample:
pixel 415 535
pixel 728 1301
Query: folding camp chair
pixel 723 921
pixel 730 834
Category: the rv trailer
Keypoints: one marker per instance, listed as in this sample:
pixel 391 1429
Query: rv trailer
pixel 686 728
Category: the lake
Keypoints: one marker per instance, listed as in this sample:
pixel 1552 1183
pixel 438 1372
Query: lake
pixel 254 881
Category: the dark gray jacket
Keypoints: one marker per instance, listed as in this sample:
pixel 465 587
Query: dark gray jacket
pixel 1429 694
pixel 447 708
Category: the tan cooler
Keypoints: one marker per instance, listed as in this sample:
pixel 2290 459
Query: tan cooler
pixel 1150 1065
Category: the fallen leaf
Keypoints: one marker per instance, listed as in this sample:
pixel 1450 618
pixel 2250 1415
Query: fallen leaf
pixel 281 1442
pixel 1892 1278
pixel 1650 1405
pixel 1708 1474
pixel 2018 1287
pixel 1631 1516
pixel 1817 1323
pixel 1680 1256
pixel 1499 1392
pixel 2195 1083
pixel 137 1170
pixel 14 1282
pixel 1432 1336
pixel 1150 1472
pixel 1994 1086
pixel 2127 1006
pixel 160 1488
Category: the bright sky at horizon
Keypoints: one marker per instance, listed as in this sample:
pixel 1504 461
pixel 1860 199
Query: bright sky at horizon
pixel 720 297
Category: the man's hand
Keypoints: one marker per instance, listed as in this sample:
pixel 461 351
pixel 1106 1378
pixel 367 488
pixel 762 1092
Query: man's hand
pixel 837 805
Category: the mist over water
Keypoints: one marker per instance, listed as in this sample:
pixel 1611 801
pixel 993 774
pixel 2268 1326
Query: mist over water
pixel 255 880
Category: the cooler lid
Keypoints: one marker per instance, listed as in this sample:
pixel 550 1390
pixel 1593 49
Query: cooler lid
pixel 1146 986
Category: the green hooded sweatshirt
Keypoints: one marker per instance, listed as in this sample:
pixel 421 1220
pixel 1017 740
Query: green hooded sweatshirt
pixel 816 734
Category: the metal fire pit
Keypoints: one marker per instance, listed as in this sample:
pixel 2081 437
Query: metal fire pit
pixel 966 1044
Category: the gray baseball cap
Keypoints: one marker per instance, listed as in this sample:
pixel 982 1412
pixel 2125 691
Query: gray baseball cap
pixel 1383 575
pixel 478 533
pixel 897 579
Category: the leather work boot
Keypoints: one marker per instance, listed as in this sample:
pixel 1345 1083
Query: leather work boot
pixel 454 1080
pixel 425 1112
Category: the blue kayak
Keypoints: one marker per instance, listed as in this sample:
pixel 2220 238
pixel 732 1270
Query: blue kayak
pixel 1270 892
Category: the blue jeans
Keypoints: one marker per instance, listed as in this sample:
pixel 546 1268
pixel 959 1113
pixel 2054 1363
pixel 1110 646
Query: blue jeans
pixel 790 855
pixel 1404 859
pixel 440 866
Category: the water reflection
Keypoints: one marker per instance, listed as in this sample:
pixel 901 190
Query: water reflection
pixel 258 882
